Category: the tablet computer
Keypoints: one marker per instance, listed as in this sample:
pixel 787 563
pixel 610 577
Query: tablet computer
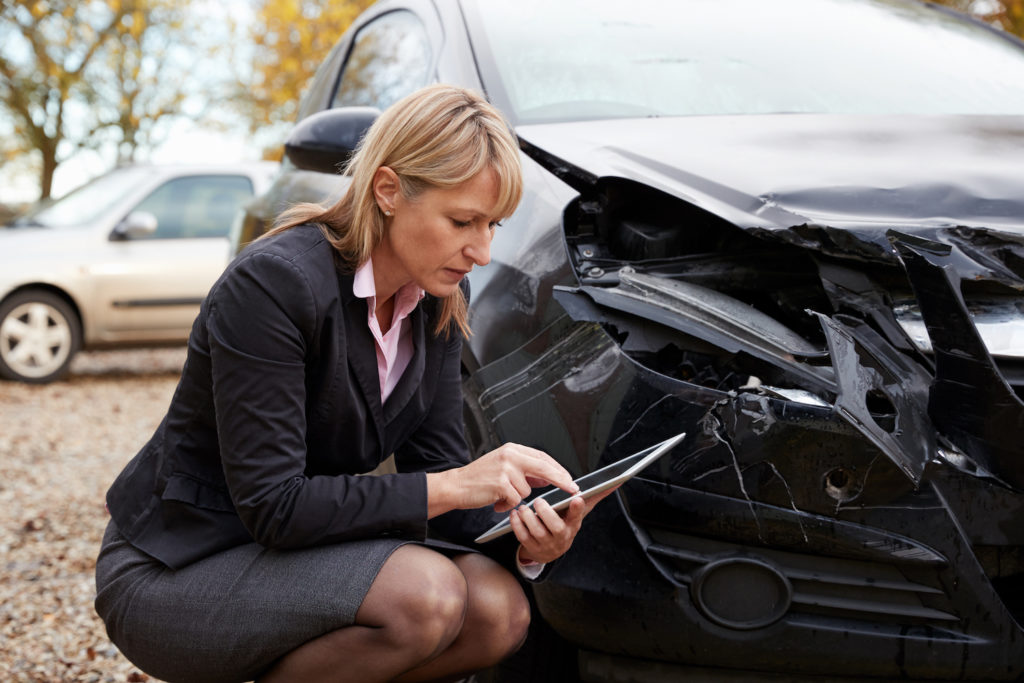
pixel 596 482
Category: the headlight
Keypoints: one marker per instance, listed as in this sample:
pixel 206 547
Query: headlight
pixel 1000 322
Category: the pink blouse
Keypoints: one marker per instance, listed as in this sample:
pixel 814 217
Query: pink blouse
pixel 394 348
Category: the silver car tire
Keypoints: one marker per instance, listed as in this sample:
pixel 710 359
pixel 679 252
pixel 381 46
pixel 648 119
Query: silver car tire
pixel 39 335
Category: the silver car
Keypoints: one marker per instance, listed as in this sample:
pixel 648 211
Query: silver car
pixel 124 260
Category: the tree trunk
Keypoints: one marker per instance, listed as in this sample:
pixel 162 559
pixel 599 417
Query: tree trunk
pixel 49 166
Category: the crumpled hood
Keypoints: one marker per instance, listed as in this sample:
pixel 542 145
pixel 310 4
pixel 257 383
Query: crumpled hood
pixel 825 182
pixel 782 170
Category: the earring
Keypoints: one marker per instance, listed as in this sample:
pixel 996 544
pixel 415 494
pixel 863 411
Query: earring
pixel 387 212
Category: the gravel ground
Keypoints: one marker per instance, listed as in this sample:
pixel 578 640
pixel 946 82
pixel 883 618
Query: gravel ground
pixel 60 447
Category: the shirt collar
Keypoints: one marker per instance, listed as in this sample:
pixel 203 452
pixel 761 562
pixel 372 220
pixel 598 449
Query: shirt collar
pixel 364 287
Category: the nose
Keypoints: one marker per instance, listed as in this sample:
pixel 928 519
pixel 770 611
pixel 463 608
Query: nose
pixel 478 249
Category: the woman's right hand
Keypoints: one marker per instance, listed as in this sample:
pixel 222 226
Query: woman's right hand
pixel 502 477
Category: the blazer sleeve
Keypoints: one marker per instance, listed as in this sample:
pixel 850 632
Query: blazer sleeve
pixel 262 322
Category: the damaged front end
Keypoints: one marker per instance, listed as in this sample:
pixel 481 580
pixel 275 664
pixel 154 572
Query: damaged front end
pixel 850 496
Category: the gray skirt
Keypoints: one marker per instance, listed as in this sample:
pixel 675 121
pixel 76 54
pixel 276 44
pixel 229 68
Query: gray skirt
pixel 230 616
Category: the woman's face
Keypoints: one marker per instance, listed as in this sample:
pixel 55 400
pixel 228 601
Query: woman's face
pixel 435 239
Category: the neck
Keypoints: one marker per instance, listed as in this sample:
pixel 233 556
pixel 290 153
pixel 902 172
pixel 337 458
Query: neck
pixel 385 282
pixel 384 312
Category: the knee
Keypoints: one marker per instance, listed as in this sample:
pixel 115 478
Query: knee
pixel 430 613
pixel 500 613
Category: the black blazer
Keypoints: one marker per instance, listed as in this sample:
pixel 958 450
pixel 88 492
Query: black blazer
pixel 279 407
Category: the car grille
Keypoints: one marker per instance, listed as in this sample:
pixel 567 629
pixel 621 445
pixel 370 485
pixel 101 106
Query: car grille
pixel 743 588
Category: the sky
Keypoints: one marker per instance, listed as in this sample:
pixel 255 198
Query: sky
pixel 185 142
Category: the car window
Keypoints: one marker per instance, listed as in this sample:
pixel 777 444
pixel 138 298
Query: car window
pixel 196 206
pixel 88 203
pixel 390 58
pixel 321 88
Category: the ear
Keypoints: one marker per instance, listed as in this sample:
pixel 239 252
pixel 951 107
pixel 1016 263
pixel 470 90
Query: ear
pixel 386 188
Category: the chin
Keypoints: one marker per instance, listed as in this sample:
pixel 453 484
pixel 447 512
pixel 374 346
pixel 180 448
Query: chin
pixel 441 290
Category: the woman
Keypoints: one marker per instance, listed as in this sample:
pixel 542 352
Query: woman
pixel 242 543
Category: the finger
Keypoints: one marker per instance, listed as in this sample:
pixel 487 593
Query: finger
pixel 552 521
pixel 537 528
pixel 533 452
pixel 531 543
pixel 543 467
pixel 560 534
pixel 550 472
pixel 574 515
pixel 509 497
pixel 522 534
pixel 522 486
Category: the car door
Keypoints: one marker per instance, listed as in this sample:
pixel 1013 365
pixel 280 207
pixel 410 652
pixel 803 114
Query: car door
pixel 148 287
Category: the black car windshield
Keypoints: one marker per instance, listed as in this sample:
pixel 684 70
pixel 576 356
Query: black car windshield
pixel 85 204
pixel 592 59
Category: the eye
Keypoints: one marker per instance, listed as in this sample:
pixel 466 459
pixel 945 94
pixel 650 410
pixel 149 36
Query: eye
pixel 461 224
pixel 494 224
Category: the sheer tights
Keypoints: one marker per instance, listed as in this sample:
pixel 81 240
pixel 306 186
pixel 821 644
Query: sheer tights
pixel 425 618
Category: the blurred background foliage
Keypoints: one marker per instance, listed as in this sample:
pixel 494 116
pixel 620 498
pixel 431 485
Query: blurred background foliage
pixel 111 74
pixel 79 74
pixel 290 39
pixel 1005 14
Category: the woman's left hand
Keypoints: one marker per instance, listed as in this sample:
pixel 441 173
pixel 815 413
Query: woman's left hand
pixel 546 535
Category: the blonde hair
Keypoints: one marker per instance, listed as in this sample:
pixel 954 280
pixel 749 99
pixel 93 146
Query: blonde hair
pixel 437 137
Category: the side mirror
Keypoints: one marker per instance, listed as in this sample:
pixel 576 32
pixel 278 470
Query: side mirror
pixel 137 224
pixel 325 141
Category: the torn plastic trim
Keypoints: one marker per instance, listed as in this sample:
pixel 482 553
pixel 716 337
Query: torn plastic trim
pixel 795 395
pixel 730 316
pixel 853 289
pixel 869 369
pixel 954 458
pixel 705 314
pixel 969 398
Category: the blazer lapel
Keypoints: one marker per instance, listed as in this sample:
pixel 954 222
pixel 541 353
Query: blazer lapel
pixel 410 381
pixel 362 351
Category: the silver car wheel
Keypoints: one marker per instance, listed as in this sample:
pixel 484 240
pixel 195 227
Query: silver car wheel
pixel 38 336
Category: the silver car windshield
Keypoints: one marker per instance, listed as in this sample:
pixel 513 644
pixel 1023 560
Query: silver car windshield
pixel 85 204
pixel 592 59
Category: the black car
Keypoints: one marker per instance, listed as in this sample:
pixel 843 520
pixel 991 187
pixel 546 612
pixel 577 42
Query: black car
pixel 793 230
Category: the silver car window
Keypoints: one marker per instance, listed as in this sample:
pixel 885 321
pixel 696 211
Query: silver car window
pixel 196 206
pixel 84 205
pixel 390 58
